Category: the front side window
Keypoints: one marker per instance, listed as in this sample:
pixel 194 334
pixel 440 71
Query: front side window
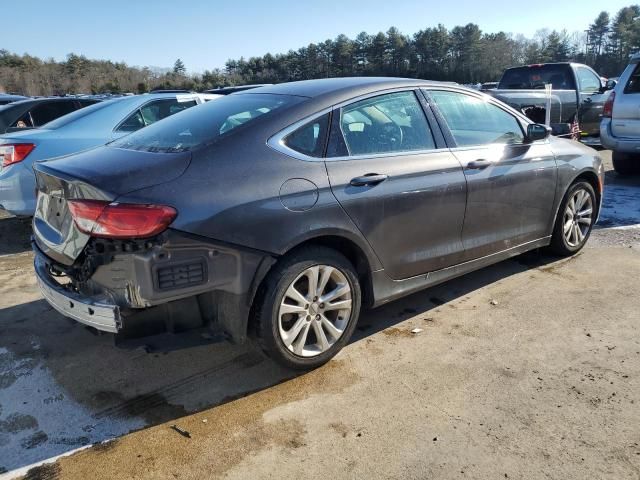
pixel 589 82
pixel 474 121
pixel 207 123
pixel 309 139
pixel 390 123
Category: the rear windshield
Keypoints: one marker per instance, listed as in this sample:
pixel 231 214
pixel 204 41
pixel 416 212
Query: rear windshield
pixel 75 115
pixel 204 124
pixel 536 76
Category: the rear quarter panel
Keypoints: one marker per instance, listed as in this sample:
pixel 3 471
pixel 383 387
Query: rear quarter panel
pixel 242 192
pixel 573 159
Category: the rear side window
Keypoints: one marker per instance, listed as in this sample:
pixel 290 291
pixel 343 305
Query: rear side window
pixel 389 123
pixel 310 138
pixel 589 81
pixel 132 123
pixel 50 111
pixel 473 121
pixel 207 123
pixel 633 85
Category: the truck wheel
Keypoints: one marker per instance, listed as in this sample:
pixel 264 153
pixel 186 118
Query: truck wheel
pixel 625 163
pixel 575 219
pixel 307 308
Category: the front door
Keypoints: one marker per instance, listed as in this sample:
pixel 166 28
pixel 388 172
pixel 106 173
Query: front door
pixel 510 184
pixel 405 195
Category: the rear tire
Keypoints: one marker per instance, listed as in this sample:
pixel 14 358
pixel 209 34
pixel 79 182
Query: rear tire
pixel 575 219
pixel 625 163
pixel 307 308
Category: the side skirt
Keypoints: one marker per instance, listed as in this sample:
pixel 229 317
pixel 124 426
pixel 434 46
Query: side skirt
pixel 386 290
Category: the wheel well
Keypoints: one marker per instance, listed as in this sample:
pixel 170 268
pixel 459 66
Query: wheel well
pixel 354 254
pixel 592 179
pixel 346 247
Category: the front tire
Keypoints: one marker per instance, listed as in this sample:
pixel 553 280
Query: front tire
pixel 625 163
pixel 575 219
pixel 307 308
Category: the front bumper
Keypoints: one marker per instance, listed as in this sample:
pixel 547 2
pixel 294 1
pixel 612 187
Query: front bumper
pixel 623 145
pixel 93 312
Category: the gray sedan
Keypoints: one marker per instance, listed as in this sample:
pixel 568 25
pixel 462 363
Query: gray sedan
pixel 279 211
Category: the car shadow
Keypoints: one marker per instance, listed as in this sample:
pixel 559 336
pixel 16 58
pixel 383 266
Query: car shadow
pixel 15 234
pixel 71 386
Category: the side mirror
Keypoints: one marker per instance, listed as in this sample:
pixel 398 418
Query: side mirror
pixel 536 131
pixel 611 84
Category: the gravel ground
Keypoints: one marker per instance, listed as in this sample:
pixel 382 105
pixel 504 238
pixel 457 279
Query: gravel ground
pixel 527 369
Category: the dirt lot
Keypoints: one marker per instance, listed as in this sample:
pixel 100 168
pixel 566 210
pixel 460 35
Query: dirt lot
pixel 527 369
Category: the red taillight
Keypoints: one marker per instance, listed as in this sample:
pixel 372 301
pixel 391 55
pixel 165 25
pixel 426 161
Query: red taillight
pixel 607 111
pixel 120 220
pixel 14 152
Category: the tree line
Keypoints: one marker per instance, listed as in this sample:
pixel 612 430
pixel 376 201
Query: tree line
pixel 462 54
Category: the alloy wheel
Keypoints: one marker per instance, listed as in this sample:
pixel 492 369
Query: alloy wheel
pixel 315 310
pixel 578 217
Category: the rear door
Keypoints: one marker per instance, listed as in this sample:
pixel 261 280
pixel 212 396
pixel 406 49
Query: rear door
pixel 510 184
pixel 625 121
pixel 405 191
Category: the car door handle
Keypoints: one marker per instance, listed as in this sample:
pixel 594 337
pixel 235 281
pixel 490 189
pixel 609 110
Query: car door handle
pixel 478 164
pixel 587 100
pixel 368 179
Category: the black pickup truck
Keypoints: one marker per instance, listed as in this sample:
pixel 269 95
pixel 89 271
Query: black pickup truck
pixel 577 97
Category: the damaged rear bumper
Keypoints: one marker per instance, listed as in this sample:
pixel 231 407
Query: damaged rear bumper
pixel 171 284
pixel 98 314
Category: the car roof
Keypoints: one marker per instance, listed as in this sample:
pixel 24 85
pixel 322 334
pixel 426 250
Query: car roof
pixel 10 96
pixel 235 88
pixel 340 87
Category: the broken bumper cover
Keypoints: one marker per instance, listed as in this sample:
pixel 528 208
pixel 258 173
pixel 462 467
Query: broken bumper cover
pixel 97 314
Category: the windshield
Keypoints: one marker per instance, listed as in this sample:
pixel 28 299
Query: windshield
pixel 75 115
pixel 204 124
pixel 536 76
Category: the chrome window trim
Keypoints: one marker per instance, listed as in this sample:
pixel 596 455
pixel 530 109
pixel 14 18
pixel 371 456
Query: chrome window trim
pixel 277 141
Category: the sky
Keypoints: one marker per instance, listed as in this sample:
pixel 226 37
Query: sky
pixel 204 34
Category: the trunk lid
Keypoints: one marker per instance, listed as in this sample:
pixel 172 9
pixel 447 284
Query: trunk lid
pixel 100 174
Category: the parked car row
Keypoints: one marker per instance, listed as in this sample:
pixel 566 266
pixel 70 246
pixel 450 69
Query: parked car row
pixel 277 212
pixel 90 124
